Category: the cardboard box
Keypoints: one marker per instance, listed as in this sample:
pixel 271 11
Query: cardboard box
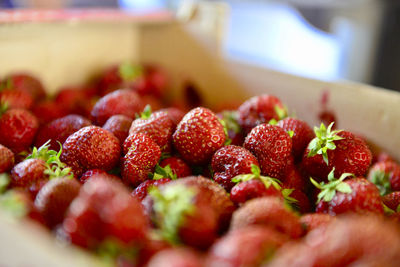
pixel 73 46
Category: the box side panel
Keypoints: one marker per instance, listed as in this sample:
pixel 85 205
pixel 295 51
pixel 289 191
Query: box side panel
pixel 65 53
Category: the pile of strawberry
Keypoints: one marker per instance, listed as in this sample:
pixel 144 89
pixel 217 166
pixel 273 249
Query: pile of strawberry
pixel 118 172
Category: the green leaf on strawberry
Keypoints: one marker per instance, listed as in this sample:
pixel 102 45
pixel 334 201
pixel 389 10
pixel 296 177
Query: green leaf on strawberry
pixel 282 112
pixel 256 174
pixel 163 172
pixel 228 141
pixel 323 141
pixel 3 107
pixel 12 204
pixel 382 181
pixel 130 72
pixel 4 182
pixel 146 113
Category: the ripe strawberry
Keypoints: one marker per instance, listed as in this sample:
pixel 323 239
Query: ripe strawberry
pixel 48 110
pixel 348 241
pixel 230 161
pixel 382 156
pixel 150 248
pixel 25 83
pixel 248 246
pixel 199 135
pixel 142 155
pixel 230 119
pixel 119 126
pixel 272 147
pixel 158 126
pixel 91 148
pixel 294 179
pixel 96 173
pixel 176 257
pixel 154 82
pixel 18 128
pixel 155 103
pixel 58 130
pixel 16 99
pixel 314 220
pixel 74 99
pixel 268 211
pixel 6 159
pixel 301 202
pixel 386 176
pixel 104 209
pixel 352 195
pixel 392 201
pixel 54 198
pixel 125 102
pixel 177 165
pixel 142 189
pixel 175 114
pixel 258 110
pixel 302 134
pixel 339 149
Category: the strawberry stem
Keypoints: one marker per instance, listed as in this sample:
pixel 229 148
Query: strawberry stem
pixel 256 174
pixel 163 172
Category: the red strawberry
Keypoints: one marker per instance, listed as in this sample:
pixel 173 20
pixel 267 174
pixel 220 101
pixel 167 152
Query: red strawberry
pixel 382 156
pixel 48 110
pixel 301 202
pixel 248 246
pixel 54 198
pixel 352 195
pixel 314 220
pixel 272 147
pixel 199 135
pixel 25 83
pixel 18 128
pixel 91 148
pixel 140 159
pixel 339 149
pixel 125 102
pixel 6 159
pixel 258 110
pixel 302 134
pixel 158 126
pixel 58 130
pixel 176 257
pixel 150 248
pixel 392 201
pixel 268 211
pixel 386 176
pixel 154 82
pixel 154 102
pixel 175 114
pixel 294 179
pixel 74 99
pixel 230 161
pixel 230 119
pixel 119 126
pixel 177 165
pixel 142 189
pixel 104 209
pixel 96 173
pixel 16 99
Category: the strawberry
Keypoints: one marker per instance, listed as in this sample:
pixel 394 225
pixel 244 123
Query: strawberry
pixel 158 126
pixel 348 241
pixel 268 211
pixel 25 83
pixel 382 156
pixel 150 248
pixel 6 159
pixel 176 257
pixel 48 110
pixel 272 147
pixel 248 246
pixel 125 102
pixel 16 99
pixel 141 156
pixel 177 166
pixel 293 178
pixel 175 114
pixel 96 173
pixel 104 209
pixel 298 200
pixel 199 135
pixel 230 119
pixel 54 198
pixel 314 220
pixel 119 126
pixel 142 189
pixel 352 195
pixel 91 148
pixel 18 128
pixel 258 110
pixel 153 83
pixel 302 134
pixel 155 103
pixel 339 149
pixel 58 130
pixel 386 176
pixel 392 201
pixel 230 161
pixel 74 99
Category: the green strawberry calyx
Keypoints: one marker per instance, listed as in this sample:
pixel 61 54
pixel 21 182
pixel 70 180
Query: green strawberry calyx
pixel 231 120
pixel 10 202
pixel 328 190
pixel 256 174
pixel 130 72
pixel 6 85
pixel 163 172
pixel 3 107
pixel 323 141
pixel 228 141
pixel 171 206
pixel 382 181
pixel 282 112
pixel 146 113
pixel 110 249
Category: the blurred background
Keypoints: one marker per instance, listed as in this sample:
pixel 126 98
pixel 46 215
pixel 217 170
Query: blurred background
pixel 356 40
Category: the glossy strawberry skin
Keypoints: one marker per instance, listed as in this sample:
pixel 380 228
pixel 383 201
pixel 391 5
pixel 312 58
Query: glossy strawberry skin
pixel 6 159
pixel 302 203
pixel 74 99
pixel 125 102
pixel 391 169
pixel 272 147
pixel 175 114
pixel 293 178
pixel 302 134
pixel 54 198
pixel 96 173
pixel 254 188
pixel 230 161
pixel 142 156
pixel 18 128
pixel 364 198
pixel 91 148
pixel 119 126
pixel 158 126
pixel 48 110
pixel 16 99
pixel 198 136
pixel 59 130
pixel 177 165
pixel 140 191
pixel 258 110
pixel 392 200
pixel 28 84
